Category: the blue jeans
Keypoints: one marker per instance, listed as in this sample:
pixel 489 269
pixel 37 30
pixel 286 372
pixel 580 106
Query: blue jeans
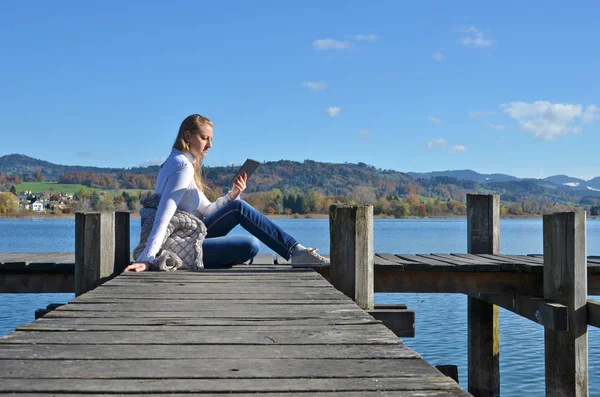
pixel 221 250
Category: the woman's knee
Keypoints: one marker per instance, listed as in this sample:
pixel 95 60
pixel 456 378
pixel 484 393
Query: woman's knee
pixel 253 245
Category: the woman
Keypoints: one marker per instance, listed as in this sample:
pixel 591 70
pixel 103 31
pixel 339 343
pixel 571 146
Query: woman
pixel 179 184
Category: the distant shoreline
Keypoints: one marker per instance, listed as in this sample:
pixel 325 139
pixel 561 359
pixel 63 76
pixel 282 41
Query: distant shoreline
pixel 276 216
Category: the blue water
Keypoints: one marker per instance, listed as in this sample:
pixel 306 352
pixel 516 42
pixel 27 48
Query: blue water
pixel 441 328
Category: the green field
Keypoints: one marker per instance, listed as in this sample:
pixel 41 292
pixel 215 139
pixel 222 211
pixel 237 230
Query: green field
pixel 52 187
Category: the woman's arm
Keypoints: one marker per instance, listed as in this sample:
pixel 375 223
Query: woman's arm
pixel 206 207
pixel 176 186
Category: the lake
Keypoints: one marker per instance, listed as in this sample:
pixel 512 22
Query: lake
pixel 441 327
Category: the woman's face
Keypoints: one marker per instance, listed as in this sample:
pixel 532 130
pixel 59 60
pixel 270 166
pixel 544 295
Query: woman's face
pixel 200 141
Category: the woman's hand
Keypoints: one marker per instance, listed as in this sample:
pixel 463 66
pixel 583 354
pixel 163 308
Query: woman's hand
pixel 137 267
pixel 238 187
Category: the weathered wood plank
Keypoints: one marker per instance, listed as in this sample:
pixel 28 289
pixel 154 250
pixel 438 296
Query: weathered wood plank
pixel 380 260
pixel 422 262
pixel 68 327
pixel 551 315
pixel 206 322
pixel 37 283
pixel 593 313
pixel 565 282
pixel 366 336
pixel 208 352
pixel 128 386
pixel 483 237
pixel 400 321
pixel 262 312
pixel 216 368
pixel 352 255
pixel 387 279
pixel 220 296
pixel 395 393
pixel 262 259
pixel 193 306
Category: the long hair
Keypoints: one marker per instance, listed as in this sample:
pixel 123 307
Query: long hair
pixel 194 124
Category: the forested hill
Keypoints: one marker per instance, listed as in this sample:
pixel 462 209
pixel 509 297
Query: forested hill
pixel 329 179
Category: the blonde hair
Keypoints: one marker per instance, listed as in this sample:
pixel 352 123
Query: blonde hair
pixel 194 124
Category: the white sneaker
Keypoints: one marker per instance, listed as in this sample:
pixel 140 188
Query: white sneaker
pixel 309 258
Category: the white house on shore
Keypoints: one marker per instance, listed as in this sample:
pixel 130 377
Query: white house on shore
pixel 37 207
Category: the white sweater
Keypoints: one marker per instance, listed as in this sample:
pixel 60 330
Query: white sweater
pixel 178 191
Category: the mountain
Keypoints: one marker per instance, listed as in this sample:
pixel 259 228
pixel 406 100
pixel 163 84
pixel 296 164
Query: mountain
pixel 468 175
pixel 22 164
pixel 328 178
pixel 566 180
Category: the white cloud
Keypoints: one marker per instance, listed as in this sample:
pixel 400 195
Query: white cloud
pixel 590 115
pixel 333 111
pixel 475 38
pixel 458 149
pixel 438 56
pixel 364 37
pixel 330 44
pixel 364 134
pixel 498 127
pixel 480 113
pixel 548 121
pixel 435 143
pixel 155 161
pixel 315 85
pixel 434 120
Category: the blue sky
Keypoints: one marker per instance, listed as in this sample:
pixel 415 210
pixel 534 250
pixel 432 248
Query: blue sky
pixel 510 87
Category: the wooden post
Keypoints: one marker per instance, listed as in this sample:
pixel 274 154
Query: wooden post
pixel 122 241
pixel 565 281
pixel 483 230
pixel 94 250
pixel 351 251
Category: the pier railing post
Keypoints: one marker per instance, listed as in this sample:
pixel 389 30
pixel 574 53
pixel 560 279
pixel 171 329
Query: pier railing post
pixel 351 252
pixel 483 230
pixel 565 281
pixel 101 248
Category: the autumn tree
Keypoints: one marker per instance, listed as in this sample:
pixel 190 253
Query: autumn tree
pixel 9 203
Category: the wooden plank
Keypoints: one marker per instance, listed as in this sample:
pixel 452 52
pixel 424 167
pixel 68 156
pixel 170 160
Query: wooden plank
pixel 422 262
pixel 215 368
pixel 208 321
pixel 389 280
pixel 466 265
pixel 37 283
pixel 262 259
pixel 565 281
pixel 122 241
pixel 593 313
pixel 367 336
pixel 395 393
pixel 551 315
pixel 380 260
pixel 216 295
pixel 94 250
pixel 263 312
pixel 68 327
pixel 352 255
pixel 400 321
pixel 483 237
pixel 153 386
pixel 208 352
pixel 511 264
pixel 192 306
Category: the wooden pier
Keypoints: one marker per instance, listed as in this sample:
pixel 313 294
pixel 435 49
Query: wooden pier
pixel 250 329
pixel 252 308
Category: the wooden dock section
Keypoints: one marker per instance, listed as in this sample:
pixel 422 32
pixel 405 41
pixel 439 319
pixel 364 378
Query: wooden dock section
pixel 248 330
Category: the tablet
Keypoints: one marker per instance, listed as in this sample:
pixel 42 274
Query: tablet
pixel 248 167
